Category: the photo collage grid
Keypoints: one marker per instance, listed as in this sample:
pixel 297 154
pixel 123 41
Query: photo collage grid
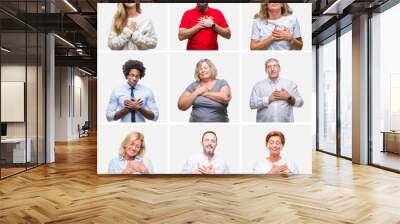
pixel 197 88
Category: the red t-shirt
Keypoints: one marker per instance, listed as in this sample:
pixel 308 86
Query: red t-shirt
pixel 206 38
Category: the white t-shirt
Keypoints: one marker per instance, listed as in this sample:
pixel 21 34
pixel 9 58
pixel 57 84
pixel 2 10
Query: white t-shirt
pixel 262 28
pixel 264 166
pixel 220 166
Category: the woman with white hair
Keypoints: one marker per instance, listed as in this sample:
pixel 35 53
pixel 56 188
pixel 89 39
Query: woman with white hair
pixel 131 158
pixel 208 96
pixel 131 30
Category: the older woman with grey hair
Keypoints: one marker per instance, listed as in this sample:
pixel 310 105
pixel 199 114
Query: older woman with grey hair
pixel 208 96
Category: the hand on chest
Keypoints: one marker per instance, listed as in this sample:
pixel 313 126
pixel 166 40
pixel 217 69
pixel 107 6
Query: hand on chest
pixel 204 19
pixel 267 28
pixel 136 96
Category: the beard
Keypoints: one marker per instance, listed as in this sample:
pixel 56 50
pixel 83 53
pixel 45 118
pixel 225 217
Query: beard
pixel 202 6
pixel 209 150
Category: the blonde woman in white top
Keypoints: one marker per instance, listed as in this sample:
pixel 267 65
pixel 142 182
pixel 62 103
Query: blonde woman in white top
pixel 275 28
pixel 131 30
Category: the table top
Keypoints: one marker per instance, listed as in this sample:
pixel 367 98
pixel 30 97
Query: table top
pixel 391 132
pixel 13 140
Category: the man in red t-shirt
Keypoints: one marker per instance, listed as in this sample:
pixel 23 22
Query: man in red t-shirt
pixel 201 26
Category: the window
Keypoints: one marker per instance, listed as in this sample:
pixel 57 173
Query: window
pixel 385 90
pixel 327 97
pixel 346 94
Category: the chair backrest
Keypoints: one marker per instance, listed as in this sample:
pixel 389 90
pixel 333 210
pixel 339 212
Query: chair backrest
pixel 86 125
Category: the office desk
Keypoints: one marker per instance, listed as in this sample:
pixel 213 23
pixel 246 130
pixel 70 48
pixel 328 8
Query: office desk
pixel 391 141
pixel 15 148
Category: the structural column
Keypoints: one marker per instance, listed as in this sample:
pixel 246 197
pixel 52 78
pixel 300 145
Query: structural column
pixel 360 90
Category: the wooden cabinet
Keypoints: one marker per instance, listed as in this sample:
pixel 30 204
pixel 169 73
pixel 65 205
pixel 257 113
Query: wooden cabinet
pixel 391 141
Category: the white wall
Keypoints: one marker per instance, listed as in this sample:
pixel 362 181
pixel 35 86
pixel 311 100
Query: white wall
pixel 61 103
pixel 16 73
pixel 314 97
pixel 68 81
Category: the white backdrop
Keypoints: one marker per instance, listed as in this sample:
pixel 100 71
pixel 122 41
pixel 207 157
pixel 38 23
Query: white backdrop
pixel 109 138
pixel 110 76
pixel 186 141
pixel 182 74
pixel 230 12
pixel 295 66
pixel 158 13
pixel 302 11
pixel 297 146
pixel 170 69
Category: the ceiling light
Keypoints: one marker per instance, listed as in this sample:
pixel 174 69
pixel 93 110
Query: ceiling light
pixel 64 40
pixel 337 7
pixel 5 50
pixel 84 71
pixel 70 5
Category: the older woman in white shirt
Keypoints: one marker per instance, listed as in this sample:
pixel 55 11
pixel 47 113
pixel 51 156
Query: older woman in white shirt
pixel 131 30
pixel 275 163
pixel 275 28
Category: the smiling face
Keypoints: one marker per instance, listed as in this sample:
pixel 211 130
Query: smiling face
pixel 133 77
pixel 274 145
pixel 132 149
pixel 130 5
pixel 274 7
pixel 205 72
pixel 209 143
pixel 273 68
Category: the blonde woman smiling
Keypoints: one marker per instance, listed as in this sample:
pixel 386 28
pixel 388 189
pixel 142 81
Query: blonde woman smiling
pixel 131 30
pixel 131 158
pixel 275 28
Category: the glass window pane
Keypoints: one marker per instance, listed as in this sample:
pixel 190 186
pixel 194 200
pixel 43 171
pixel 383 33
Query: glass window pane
pixel 385 89
pixel 346 94
pixel 22 64
pixel 327 97
pixel 13 87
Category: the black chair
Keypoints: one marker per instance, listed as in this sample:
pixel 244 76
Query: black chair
pixel 84 130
